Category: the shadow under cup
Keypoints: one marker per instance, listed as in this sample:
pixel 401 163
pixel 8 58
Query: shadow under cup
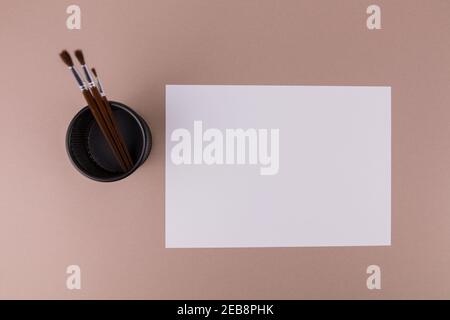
pixel 89 151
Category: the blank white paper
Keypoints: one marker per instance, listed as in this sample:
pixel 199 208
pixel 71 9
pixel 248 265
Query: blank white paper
pixel 332 186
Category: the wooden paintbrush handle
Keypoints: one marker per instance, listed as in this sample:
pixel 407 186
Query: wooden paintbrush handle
pixel 103 127
pixel 122 140
pixel 110 125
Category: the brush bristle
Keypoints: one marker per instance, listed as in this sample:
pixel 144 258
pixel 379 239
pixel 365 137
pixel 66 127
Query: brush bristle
pixel 80 56
pixel 94 72
pixel 66 58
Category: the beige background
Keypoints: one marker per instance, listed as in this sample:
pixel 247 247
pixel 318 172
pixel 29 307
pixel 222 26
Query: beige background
pixel 51 216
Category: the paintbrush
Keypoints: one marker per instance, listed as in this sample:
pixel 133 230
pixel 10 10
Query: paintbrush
pixel 105 111
pixel 99 84
pixel 109 109
pixel 67 59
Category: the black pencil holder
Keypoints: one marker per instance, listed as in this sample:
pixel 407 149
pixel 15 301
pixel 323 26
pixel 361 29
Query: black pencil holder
pixel 89 151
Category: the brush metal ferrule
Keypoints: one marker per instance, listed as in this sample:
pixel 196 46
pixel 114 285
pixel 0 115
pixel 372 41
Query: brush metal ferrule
pixel 77 77
pixel 88 76
pixel 100 87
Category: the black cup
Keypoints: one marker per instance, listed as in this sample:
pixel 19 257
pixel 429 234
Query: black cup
pixel 89 151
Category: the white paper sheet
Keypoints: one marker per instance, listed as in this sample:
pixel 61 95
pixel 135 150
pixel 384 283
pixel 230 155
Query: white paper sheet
pixel 330 187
